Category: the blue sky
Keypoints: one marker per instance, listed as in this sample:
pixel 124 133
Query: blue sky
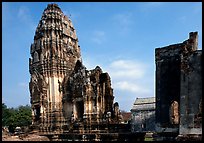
pixel 119 37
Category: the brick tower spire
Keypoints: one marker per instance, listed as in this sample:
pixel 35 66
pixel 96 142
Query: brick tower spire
pixel 63 92
pixel 54 54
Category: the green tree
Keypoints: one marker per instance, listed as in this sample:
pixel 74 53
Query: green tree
pixel 24 116
pixel 8 117
pixel 5 114
pixel 13 117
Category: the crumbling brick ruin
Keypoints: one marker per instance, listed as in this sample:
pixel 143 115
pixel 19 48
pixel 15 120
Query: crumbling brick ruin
pixel 179 90
pixel 63 92
pixel 89 93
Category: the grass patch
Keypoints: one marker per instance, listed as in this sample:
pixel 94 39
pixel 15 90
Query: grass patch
pixel 148 139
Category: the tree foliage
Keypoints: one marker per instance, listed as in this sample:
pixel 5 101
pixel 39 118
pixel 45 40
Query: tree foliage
pixel 13 117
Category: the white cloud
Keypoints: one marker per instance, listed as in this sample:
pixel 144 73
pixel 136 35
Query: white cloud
pixel 22 12
pixel 98 36
pixel 129 78
pixel 6 13
pixel 148 7
pixel 23 84
pixel 88 63
pixel 183 19
pixel 25 16
pixel 131 87
pixel 123 21
pixel 154 4
pixel 126 69
pixel 197 8
pixel 3 100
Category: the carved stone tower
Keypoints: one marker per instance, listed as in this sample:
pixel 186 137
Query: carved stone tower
pixel 54 54
pixel 63 92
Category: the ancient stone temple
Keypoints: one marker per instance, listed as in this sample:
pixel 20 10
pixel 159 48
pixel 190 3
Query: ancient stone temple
pixel 63 92
pixel 179 90
pixel 87 94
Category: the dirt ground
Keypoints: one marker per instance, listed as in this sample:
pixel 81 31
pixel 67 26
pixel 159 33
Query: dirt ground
pixel 23 137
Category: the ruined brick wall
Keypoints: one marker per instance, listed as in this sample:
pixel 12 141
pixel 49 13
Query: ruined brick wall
pixel 88 94
pixel 167 83
pixel 179 87
pixel 191 95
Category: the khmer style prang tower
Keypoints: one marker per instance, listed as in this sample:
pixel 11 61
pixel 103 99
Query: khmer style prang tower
pixel 62 90
pixel 53 56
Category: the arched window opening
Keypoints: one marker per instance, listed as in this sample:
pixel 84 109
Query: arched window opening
pixel 174 113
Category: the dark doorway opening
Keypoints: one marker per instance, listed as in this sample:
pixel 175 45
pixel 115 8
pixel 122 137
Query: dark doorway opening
pixel 37 113
pixel 80 110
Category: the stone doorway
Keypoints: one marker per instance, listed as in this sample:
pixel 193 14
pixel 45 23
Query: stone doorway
pixel 79 110
pixel 37 113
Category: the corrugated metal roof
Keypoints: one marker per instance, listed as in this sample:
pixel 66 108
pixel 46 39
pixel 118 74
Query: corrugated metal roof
pixel 142 107
pixel 145 100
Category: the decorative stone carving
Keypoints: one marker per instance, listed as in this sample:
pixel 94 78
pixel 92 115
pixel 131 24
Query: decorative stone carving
pixel 62 91
pixel 36 57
